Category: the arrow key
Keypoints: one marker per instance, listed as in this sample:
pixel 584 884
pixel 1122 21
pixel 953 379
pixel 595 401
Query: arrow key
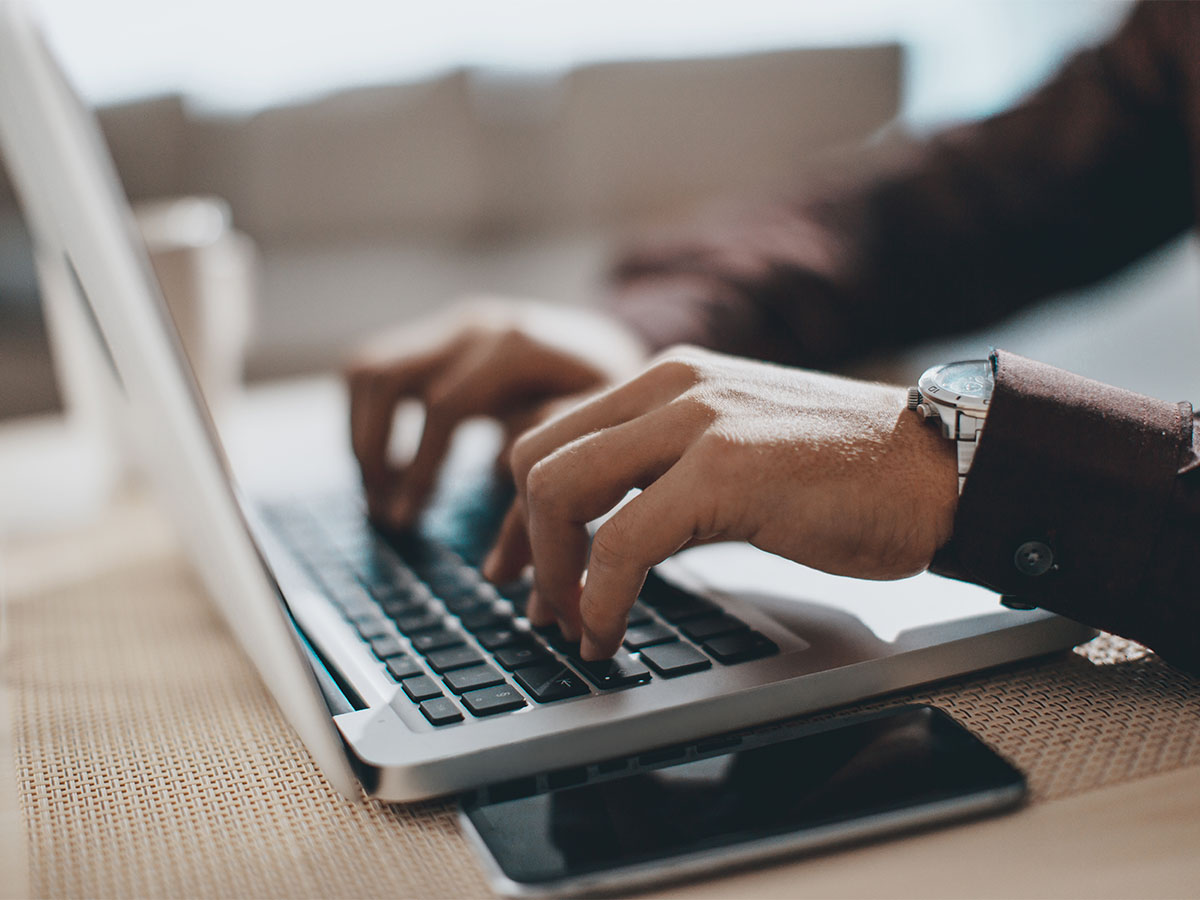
pixel 549 682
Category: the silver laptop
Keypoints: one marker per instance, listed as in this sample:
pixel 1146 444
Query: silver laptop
pixel 402 670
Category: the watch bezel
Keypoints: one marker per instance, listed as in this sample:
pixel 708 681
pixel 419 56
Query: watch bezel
pixel 927 384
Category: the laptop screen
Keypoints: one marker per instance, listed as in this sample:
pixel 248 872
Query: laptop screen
pixel 96 271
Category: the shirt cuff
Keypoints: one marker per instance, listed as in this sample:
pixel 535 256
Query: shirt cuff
pixel 1067 495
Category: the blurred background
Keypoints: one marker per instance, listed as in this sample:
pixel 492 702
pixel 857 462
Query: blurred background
pixel 376 159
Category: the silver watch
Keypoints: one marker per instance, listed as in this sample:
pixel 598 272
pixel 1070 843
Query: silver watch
pixel 956 396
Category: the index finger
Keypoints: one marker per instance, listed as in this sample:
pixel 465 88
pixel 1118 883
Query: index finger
pixel 645 531
pixel 375 391
pixel 585 479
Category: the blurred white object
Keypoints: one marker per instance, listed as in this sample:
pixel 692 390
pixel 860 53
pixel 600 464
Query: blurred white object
pixel 54 472
pixel 58 471
pixel 207 272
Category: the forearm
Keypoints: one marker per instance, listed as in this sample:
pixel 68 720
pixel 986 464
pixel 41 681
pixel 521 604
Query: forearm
pixel 1105 480
pixel 941 235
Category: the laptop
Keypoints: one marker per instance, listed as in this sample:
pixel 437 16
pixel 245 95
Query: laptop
pixel 404 673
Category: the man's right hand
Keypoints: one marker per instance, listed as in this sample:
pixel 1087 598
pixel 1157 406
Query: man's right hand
pixel 511 360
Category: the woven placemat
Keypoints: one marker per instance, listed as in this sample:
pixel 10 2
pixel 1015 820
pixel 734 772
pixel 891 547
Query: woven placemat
pixel 151 762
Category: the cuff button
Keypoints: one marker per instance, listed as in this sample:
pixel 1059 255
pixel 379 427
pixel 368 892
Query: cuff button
pixel 1018 603
pixel 1033 558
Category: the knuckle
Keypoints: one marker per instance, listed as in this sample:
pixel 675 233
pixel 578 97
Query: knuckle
pixel 359 370
pixel 522 457
pixel 681 365
pixel 464 338
pixel 716 456
pixel 541 486
pixel 449 402
pixel 440 406
pixel 438 413
pixel 695 406
pixel 511 337
pixel 610 546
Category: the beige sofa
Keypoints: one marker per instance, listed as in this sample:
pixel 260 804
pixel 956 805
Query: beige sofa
pixel 373 204
pixel 376 203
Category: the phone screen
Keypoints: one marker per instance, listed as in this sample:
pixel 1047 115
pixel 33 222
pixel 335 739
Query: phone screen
pixel 868 768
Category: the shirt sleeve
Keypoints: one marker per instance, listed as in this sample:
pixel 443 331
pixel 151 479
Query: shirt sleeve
pixel 1084 499
pixel 947 234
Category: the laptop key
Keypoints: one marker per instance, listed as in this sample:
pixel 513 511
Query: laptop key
pixel 467 604
pixel 556 639
pixel 421 687
pixel 356 606
pixel 549 682
pixel 453 658
pixel 440 711
pixel 367 615
pixel 673 604
pixel 456 591
pixel 438 639
pixel 670 660
pixel 526 654
pixel 400 588
pixel 640 636
pixel 462 680
pixel 638 615
pixel 403 606
pixel 415 622
pixel 495 638
pixel 374 628
pixel 712 626
pixel 620 671
pixel 402 666
pixel 681 607
pixel 492 700
pixel 740 647
pixel 386 645
pixel 483 618
pixel 378 576
pixel 516 593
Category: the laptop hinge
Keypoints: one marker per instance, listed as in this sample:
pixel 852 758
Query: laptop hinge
pixel 339 696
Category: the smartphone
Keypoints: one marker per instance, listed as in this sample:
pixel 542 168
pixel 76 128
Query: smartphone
pixel 781 791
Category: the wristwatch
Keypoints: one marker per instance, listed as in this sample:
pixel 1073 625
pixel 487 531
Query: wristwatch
pixel 956 396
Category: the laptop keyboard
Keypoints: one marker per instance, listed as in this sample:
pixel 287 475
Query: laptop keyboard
pixel 460 648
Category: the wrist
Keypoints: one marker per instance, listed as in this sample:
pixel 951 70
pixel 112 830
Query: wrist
pixel 934 466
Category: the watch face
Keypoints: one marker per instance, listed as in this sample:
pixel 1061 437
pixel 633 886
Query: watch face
pixel 971 379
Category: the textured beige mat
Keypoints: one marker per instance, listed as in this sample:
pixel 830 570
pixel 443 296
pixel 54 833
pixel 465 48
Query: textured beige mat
pixel 150 762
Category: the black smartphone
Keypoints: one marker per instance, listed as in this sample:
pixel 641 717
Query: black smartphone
pixel 787 790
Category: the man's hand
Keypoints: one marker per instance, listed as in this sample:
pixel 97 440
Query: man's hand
pixel 833 473
pixel 506 359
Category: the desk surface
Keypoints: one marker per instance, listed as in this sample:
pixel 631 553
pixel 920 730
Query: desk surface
pixel 147 760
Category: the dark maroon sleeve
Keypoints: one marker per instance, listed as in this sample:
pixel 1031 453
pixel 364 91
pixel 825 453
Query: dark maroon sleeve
pixel 1083 177
pixel 1084 499
pixel 1098 485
